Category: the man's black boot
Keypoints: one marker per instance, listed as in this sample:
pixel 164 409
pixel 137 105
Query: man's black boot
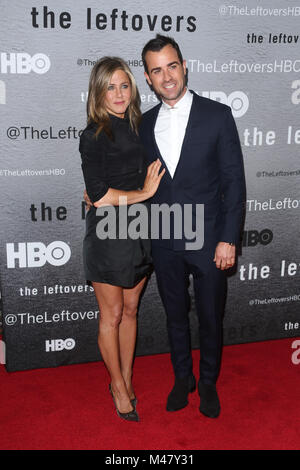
pixel 178 398
pixel 209 400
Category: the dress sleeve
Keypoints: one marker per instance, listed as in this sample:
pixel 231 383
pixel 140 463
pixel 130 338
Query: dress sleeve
pixel 92 157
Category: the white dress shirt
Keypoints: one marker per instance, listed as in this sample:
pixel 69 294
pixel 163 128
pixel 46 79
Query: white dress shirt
pixel 170 129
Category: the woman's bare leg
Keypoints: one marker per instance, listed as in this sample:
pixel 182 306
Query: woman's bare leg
pixel 128 331
pixel 110 300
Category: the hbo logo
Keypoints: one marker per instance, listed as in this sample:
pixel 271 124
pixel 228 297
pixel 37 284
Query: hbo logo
pixel 22 62
pixel 253 237
pixel 60 344
pixel 237 100
pixel 2 92
pixel 36 254
pixel 296 93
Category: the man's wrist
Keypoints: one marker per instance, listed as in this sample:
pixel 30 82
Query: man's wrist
pixel 229 243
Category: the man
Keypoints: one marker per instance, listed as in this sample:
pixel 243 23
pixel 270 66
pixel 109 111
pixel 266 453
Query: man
pixel 197 142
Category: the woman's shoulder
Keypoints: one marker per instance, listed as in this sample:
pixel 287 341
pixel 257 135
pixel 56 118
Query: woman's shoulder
pixel 88 137
pixel 89 131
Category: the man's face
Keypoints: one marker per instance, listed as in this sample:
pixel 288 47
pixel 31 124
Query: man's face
pixel 166 74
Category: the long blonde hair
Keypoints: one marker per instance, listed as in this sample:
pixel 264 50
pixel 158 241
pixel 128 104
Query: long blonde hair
pixel 100 78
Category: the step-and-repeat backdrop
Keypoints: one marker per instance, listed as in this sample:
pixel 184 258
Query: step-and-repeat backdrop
pixel 241 53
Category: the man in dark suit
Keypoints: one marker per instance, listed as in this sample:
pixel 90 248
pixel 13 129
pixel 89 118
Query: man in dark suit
pixel 197 142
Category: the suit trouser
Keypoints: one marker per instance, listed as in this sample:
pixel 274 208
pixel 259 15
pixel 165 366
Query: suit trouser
pixel 172 270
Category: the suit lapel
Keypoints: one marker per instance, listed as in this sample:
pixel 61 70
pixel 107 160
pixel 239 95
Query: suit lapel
pixel 186 135
pixel 155 143
pixel 194 118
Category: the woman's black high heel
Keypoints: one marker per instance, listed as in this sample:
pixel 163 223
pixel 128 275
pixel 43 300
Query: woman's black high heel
pixel 134 402
pixel 131 415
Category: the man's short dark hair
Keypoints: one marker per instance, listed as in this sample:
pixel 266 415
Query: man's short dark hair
pixel 156 44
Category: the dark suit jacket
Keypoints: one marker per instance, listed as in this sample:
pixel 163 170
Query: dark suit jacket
pixel 210 171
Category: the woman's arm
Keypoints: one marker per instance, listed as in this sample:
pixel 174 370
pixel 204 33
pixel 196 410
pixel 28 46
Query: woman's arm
pixel 152 180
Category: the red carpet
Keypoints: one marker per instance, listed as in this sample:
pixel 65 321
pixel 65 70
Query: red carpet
pixel 70 407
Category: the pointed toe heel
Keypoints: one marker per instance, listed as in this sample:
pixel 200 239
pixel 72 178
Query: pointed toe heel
pixel 131 415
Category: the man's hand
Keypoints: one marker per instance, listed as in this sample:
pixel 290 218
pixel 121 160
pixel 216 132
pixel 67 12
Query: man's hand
pixel 224 255
pixel 87 200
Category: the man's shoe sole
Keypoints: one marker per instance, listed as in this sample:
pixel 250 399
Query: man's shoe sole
pixel 186 404
pixel 177 409
pixel 214 415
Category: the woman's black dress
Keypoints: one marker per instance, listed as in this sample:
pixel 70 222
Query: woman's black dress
pixel 120 164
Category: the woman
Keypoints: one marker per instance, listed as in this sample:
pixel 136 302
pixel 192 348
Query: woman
pixel 114 166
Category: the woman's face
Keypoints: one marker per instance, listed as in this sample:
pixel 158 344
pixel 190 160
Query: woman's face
pixel 118 94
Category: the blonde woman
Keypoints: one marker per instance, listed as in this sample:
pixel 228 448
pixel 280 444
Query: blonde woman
pixel 114 166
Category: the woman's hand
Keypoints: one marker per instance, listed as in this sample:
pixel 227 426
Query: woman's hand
pixel 153 178
pixel 87 200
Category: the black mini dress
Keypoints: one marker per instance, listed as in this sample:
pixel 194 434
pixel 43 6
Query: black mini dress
pixel 118 163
